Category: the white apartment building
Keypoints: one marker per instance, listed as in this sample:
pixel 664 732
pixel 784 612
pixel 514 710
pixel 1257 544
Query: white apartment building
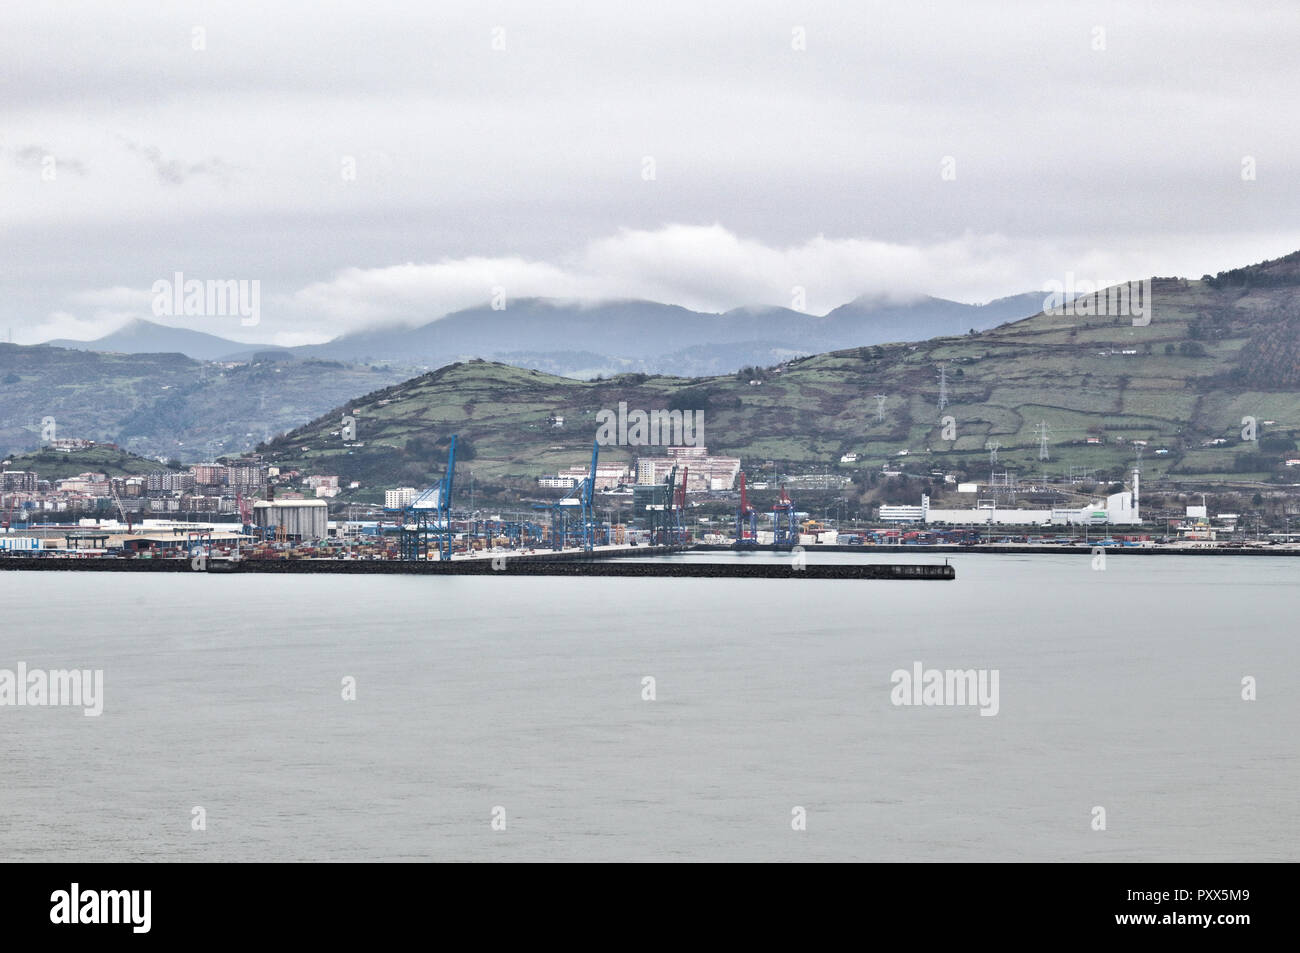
pixel 396 499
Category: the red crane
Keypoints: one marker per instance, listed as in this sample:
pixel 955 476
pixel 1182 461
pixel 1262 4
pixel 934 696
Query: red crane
pixel 679 508
pixel 746 518
pixel 783 517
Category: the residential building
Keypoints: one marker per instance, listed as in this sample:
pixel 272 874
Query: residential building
pixel 18 481
pixel 608 475
pixel 398 498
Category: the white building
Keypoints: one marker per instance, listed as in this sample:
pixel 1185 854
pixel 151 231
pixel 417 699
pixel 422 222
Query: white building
pixel 1118 509
pixel 608 475
pixel 555 482
pixel 396 499
pixel 890 513
pixel 705 472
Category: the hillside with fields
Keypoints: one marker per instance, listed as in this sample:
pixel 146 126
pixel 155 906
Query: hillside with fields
pixel 1216 350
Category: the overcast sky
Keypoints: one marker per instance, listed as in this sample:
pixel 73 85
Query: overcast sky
pixel 963 149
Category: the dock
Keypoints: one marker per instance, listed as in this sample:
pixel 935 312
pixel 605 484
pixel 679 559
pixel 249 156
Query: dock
pixel 535 565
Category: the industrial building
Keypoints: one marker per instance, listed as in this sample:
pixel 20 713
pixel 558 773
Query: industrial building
pixel 1118 509
pixel 295 519
pixel 706 472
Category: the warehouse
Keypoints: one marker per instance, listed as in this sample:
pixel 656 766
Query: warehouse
pixel 1117 509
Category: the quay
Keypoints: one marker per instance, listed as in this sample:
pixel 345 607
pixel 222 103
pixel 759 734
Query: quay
pixel 546 564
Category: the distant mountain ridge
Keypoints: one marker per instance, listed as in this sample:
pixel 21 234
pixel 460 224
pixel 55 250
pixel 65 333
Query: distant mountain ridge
pixel 586 340
pixel 646 336
pixel 145 337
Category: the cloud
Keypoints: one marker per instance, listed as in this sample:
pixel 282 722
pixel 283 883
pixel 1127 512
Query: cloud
pixel 426 291
pixel 705 268
pixel 175 171
pixel 65 325
pixel 119 298
pixel 777 167
pixel 109 309
pixel 37 157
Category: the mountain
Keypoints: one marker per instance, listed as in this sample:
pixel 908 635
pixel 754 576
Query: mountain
pixel 166 404
pixel 870 320
pixel 585 340
pixel 1214 352
pixel 582 340
pixel 145 337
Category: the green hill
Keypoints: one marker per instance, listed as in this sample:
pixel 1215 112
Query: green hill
pixel 1215 351
pixel 166 404
pixel 57 465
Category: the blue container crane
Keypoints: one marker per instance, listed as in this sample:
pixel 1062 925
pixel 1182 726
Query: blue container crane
pixel 429 517
pixel 578 498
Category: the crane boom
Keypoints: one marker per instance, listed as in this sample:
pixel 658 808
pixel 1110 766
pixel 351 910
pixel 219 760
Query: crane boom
pixel 120 508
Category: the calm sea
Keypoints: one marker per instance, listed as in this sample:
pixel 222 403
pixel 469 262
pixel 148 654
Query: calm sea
pixel 522 700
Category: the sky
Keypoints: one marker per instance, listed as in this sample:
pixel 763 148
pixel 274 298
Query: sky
pixel 377 163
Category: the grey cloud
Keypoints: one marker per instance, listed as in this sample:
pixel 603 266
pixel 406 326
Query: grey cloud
pixel 33 156
pixel 1122 160
pixel 177 171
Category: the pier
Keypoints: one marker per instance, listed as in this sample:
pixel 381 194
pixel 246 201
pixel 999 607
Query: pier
pixel 559 564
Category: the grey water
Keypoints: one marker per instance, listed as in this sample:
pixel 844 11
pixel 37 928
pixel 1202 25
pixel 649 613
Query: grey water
pixel 523 701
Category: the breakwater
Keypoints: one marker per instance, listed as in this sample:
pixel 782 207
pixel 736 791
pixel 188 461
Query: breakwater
pixel 537 565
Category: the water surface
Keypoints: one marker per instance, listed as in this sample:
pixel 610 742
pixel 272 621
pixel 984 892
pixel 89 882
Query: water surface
pixel 1119 688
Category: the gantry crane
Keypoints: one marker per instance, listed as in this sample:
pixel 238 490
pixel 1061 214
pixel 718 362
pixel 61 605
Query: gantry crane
pixel 746 518
pixel 578 498
pixel 429 517
pixel 784 531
